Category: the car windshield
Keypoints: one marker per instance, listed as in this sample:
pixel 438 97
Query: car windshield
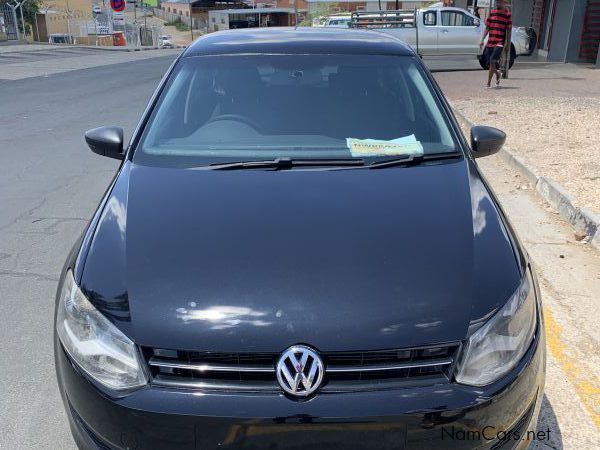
pixel 218 109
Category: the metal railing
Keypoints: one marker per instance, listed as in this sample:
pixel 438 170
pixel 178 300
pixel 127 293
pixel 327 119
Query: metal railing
pixel 402 18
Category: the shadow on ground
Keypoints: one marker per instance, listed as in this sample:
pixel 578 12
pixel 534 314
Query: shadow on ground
pixel 548 421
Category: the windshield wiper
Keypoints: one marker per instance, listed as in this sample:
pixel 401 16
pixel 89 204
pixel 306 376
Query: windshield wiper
pixel 285 163
pixel 408 160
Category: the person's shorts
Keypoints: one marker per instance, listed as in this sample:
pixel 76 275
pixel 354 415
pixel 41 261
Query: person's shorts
pixel 493 54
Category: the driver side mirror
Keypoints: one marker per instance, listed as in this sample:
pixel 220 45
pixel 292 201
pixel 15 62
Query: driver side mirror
pixel 477 22
pixel 106 141
pixel 486 140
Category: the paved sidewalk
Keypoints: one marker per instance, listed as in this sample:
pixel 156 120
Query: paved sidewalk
pixel 569 277
pixel 551 113
pixel 50 60
pixel 22 47
pixel 37 47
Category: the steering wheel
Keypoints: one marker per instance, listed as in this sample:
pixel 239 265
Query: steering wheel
pixel 239 118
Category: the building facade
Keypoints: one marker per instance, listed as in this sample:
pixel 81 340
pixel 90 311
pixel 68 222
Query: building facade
pixel 568 30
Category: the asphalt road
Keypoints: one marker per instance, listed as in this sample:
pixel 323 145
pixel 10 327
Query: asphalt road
pixel 50 184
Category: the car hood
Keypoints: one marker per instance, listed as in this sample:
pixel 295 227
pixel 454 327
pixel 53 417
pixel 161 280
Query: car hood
pixel 256 260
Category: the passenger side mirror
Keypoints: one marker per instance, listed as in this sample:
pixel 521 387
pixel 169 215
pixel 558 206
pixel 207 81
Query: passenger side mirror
pixel 106 141
pixel 486 140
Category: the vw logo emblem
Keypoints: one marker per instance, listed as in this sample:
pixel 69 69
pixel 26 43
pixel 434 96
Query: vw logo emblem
pixel 300 371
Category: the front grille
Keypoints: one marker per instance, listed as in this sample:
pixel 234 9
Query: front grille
pixel 344 371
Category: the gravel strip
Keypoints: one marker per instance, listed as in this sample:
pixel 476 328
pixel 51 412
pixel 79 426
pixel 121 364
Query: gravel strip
pixel 558 136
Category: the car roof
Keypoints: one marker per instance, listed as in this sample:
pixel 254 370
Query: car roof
pixel 301 40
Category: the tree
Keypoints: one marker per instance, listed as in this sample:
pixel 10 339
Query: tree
pixel 30 9
pixel 318 10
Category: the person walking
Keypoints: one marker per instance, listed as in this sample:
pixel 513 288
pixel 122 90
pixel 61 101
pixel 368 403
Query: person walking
pixel 498 28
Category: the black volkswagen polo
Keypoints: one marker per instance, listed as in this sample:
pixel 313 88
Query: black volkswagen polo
pixel 299 252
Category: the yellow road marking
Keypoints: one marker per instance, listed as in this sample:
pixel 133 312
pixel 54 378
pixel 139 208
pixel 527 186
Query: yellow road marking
pixel 587 390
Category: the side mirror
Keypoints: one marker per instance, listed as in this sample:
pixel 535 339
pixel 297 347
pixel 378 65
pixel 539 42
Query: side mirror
pixel 477 22
pixel 486 140
pixel 106 141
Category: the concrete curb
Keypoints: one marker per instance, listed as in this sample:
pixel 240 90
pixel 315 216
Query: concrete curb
pixel 127 49
pixel 92 47
pixel 582 220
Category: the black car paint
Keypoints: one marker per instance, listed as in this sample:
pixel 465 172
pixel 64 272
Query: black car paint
pixel 160 418
pixel 293 256
pixel 484 264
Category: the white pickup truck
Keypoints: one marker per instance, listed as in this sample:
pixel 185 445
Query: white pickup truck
pixel 441 31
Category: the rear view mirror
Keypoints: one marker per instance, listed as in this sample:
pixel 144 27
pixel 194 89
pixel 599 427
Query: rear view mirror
pixel 106 141
pixel 486 140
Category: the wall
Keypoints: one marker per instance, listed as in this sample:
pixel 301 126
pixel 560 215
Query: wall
pixel 302 4
pixel 180 9
pixel 522 12
pixel 218 20
pixel 80 9
pixel 58 23
pixel 566 30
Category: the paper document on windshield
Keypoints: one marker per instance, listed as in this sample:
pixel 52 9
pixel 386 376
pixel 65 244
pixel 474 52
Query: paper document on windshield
pixel 407 145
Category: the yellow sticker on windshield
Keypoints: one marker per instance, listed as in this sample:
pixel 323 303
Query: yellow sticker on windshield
pixel 407 145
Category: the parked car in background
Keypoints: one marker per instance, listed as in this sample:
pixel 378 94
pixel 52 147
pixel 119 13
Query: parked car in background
pixel 441 31
pixel 338 21
pixel 165 41
pixel 61 38
pixel 96 9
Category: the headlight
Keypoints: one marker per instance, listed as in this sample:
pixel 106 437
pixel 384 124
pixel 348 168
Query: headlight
pixel 95 344
pixel 497 347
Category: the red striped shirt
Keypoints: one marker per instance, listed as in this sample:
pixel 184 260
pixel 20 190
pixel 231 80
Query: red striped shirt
pixel 498 23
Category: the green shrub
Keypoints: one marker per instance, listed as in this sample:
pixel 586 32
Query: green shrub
pixel 179 25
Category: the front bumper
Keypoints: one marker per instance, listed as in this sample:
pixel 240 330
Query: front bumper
pixel 440 416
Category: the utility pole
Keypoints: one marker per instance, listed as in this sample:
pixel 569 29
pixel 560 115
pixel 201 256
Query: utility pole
pixel 37 28
pixel 69 21
pixel 191 21
pixel 95 27
pixel 295 13
pixel 19 5
pixel 506 53
pixel 13 10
